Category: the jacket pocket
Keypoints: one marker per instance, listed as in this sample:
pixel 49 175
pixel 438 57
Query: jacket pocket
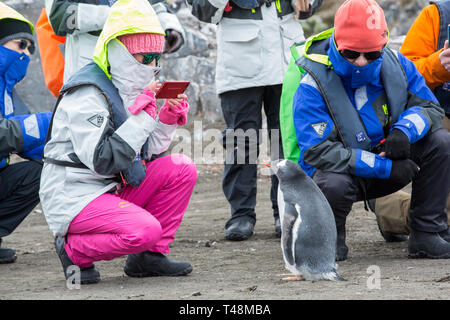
pixel 241 49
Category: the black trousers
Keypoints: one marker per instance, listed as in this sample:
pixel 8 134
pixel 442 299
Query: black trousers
pixel 242 109
pixel 19 194
pixel 430 188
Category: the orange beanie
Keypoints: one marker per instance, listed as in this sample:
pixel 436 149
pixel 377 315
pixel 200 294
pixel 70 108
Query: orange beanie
pixel 360 25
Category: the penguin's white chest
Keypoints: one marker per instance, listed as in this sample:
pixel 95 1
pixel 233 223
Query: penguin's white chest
pixel 290 232
pixel 295 228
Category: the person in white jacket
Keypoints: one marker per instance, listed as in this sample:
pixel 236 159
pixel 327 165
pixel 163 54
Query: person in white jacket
pixel 81 22
pixel 100 196
pixel 253 41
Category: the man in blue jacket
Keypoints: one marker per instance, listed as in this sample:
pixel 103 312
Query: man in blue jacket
pixel 367 125
pixel 20 132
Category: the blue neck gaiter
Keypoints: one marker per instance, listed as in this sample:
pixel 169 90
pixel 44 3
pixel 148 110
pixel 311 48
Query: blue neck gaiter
pixel 354 76
pixel 13 68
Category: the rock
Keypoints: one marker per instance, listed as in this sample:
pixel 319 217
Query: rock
pixel 396 42
pixel 401 15
pixel 200 71
pixel 196 44
pixel 313 25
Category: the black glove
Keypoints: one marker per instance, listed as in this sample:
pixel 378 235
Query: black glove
pixel 174 40
pixel 397 145
pixel 302 15
pixel 403 171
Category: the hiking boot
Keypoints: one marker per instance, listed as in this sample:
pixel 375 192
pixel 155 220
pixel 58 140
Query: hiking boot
pixel 392 237
pixel 427 245
pixel 341 247
pixel 277 227
pixel 7 255
pixel 87 275
pixel 445 235
pixel 239 230
pixel 388 236
pixel 154 264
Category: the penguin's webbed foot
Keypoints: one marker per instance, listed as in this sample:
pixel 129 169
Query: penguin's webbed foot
pixel 293 278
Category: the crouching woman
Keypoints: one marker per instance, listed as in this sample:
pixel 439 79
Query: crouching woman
pixel 100 194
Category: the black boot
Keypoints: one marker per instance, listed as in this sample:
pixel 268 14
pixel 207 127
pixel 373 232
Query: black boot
pixel 277 227
pixel 445 235
pixel 341 247
pixel 239 230
pixel 427 245
pixel 7 255
pixel 153 264
pixel 388 236
pixel 392 237
pixel 87 275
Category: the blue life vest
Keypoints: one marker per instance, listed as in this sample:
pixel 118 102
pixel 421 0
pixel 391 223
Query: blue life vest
pixel 346 118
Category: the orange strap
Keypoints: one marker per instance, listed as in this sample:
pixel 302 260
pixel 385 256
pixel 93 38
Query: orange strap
pixel 52 58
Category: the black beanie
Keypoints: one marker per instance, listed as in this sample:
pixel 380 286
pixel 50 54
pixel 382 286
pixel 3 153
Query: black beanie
pixel 12 29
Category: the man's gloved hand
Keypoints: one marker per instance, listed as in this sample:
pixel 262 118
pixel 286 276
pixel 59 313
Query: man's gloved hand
pixel 397 145
pixel 174 41
pixel 304 9
pixel 403 171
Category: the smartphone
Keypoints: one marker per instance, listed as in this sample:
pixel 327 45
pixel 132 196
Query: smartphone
pixel 171 89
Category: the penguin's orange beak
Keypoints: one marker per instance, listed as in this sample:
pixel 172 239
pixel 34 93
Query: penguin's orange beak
pixel 266 164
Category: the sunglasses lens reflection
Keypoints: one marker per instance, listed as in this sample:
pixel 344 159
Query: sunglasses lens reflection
pixel 23 44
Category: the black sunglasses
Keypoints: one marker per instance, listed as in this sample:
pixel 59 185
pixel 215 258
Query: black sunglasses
pixel 149 57
pixel 350 54
pixel 23 44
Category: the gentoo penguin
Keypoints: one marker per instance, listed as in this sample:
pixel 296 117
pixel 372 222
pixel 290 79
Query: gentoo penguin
pixel 308 236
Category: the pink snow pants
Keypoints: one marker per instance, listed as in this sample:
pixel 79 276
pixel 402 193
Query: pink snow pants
pixel 136 219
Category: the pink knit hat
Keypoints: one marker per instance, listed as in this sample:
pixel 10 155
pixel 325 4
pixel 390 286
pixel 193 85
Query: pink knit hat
pixel 143 42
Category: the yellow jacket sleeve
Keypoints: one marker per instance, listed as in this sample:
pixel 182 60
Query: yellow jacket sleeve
pixel 420 47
